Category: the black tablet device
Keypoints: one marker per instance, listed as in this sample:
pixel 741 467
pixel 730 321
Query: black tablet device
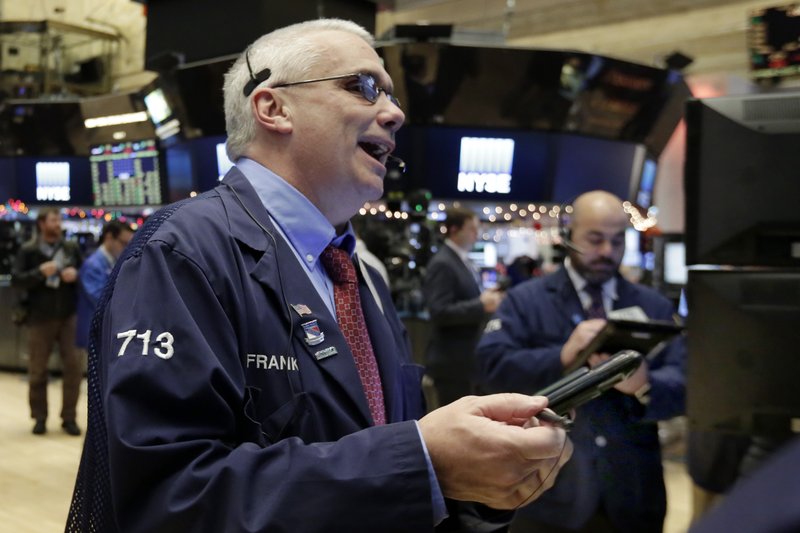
pixel 617 335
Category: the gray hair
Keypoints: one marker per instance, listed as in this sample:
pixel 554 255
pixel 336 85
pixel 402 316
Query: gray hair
pixel 290 53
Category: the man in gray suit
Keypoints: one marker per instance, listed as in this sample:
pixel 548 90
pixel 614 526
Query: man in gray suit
pixel 458 308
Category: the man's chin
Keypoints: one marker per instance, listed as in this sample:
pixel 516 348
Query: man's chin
pixel 598 277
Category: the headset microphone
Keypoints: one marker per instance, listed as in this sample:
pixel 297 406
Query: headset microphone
pixel 565 232
pixel 396 162
pixel 567 242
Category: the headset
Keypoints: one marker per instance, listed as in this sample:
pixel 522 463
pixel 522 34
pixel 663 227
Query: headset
pixel 564 229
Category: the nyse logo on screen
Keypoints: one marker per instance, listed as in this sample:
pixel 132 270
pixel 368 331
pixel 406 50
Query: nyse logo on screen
pixel 52 181
pixel 485 165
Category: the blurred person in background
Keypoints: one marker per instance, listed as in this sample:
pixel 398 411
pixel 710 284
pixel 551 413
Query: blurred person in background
pixel 458 306
pixel 46 267
pixel 94 273
pixel 614 482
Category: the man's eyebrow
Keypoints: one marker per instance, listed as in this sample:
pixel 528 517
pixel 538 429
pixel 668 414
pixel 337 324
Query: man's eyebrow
pixel 598 233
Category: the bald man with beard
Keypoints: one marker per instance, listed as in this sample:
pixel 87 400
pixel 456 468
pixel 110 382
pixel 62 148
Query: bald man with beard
pixel 615 480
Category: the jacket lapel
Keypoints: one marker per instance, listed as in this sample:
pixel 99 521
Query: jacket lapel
pixel 625 294
pixel 566 298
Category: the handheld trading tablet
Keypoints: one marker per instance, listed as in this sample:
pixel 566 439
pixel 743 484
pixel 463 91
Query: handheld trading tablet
pixel 617 335
pixel 585 384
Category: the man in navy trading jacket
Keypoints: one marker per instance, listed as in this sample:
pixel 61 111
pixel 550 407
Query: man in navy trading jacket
pixel 614 481
pixel 225 394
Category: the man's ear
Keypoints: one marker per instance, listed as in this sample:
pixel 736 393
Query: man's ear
pixel 271 111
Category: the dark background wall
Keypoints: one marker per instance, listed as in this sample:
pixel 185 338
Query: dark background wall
pixel 202 29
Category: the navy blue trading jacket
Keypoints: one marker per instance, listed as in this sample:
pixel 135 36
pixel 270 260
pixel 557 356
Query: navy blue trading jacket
pixel 216 411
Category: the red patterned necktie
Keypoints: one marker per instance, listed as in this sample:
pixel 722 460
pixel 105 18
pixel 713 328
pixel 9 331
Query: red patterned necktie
pixel 351 321
pixel 596 308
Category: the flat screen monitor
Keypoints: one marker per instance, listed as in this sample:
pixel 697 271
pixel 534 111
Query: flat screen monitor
pixel 475 164
pixel 126 173
pixel 483 254
pixel 743 339
pixel 490 278
pixel 50 180
pixel 675 271
pixel 670 273
pixel 157 106
pixel 633 252
pixel 647 182
pixel 741 180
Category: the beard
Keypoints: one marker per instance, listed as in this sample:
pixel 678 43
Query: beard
pixel 596 271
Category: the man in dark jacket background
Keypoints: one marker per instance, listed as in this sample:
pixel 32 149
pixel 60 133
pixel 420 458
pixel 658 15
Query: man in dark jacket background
pixel 614 482
pixel 46 268
pixel 458 307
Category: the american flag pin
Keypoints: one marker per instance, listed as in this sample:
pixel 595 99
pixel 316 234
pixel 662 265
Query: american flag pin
pixel 301 309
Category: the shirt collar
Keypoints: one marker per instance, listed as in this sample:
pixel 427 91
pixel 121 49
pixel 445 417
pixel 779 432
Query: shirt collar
pixel 110 258
pixel 578 281
pixel 457 249
pixel 303 225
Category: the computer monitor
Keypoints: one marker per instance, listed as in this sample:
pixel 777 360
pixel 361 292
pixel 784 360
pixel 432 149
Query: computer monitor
pixel 126 173
pixel 493 165
pixel 741 180
pixel 675 271
pixel 647 182
pixel 670 273
pixel 743 340
pixel 157 106
pixel 633 250
pixel 50 180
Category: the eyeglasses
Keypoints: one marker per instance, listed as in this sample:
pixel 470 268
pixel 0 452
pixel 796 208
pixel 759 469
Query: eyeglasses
pixel 364 83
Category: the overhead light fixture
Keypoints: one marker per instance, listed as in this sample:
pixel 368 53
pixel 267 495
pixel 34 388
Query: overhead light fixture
pixel 115 120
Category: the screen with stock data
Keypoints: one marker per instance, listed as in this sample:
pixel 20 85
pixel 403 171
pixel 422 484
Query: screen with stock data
pixel 126 173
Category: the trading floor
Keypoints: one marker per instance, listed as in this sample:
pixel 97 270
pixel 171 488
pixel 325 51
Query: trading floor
pixel 37 473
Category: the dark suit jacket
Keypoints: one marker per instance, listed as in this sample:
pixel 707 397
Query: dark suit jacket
pixel 43 302
pixel 457 316
pixel 617 460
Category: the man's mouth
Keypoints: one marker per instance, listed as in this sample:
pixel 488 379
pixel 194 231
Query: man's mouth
pixel 377 151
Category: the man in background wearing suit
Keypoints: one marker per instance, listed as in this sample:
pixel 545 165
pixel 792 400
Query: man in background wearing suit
pixel 458 308
pixel 614 482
